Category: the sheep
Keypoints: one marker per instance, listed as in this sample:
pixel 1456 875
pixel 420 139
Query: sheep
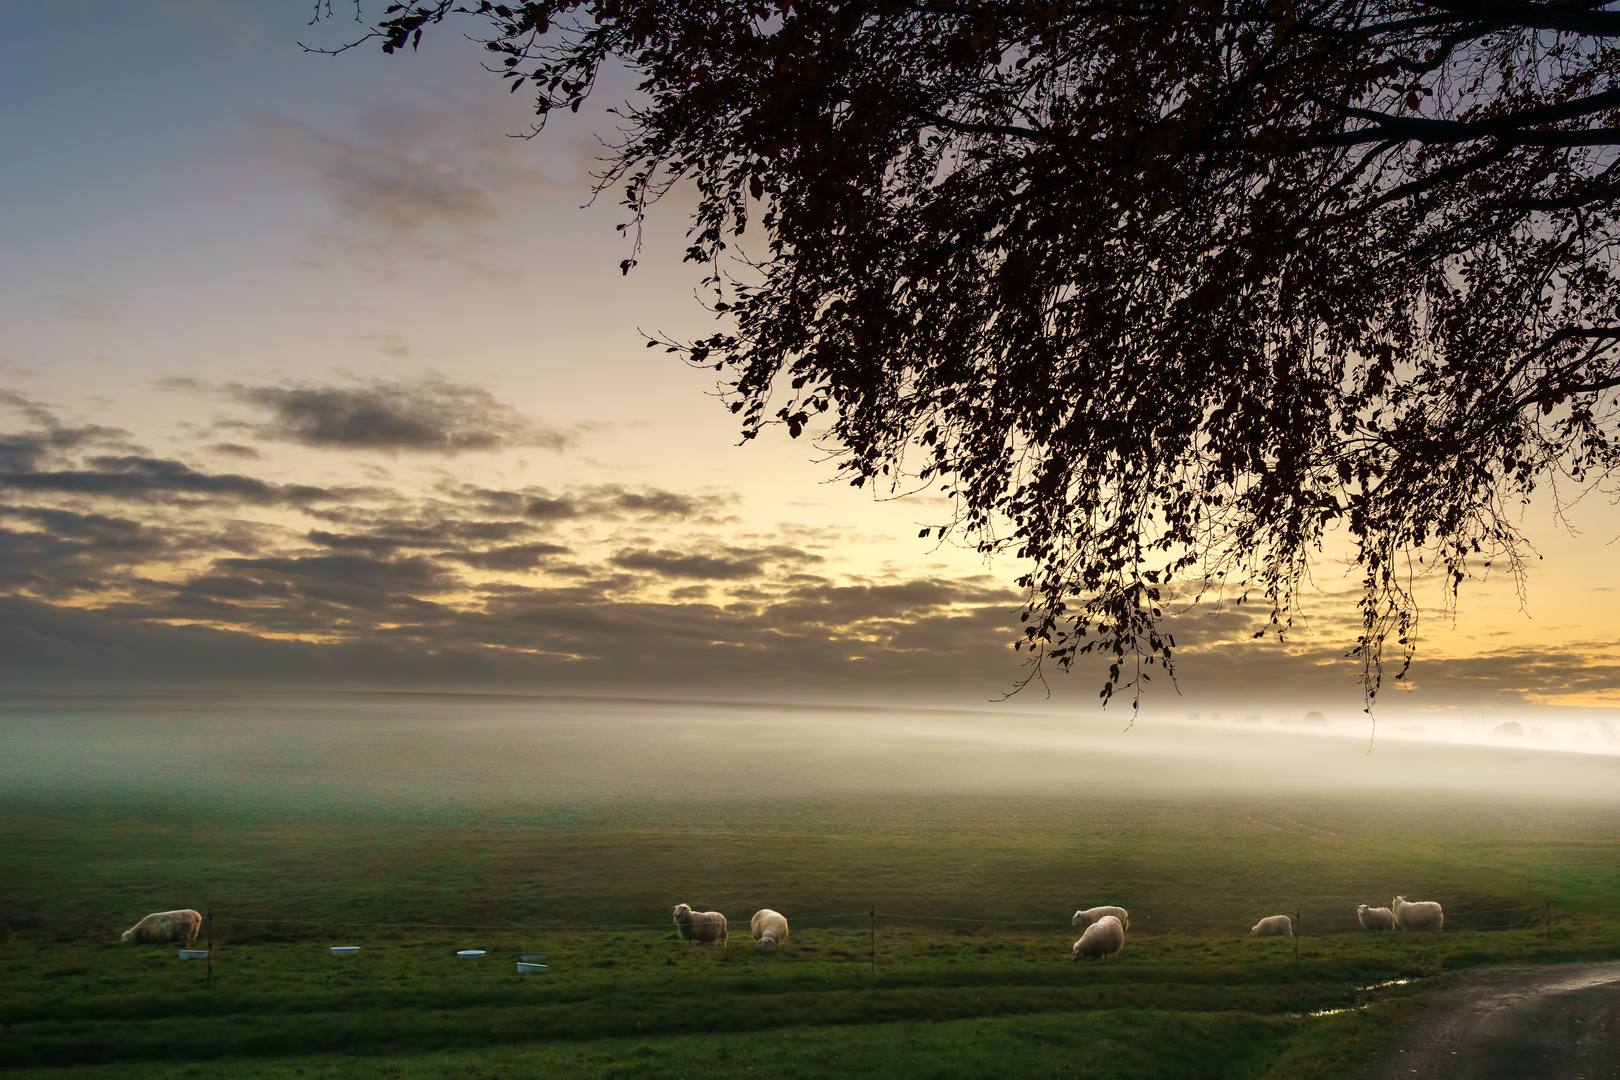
pixel 1375 918
pixel 769 927
pixel 164 927
pixel 1102 939
pixel 1273 926
pixel 698 926
pixel 1422 915
pixel 1091 915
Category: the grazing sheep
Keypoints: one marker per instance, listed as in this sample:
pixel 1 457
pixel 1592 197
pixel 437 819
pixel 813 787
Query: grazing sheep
pixel 1273 926
pixel 769 927
pixel 1102 939
pixel 1091 915
pixel 698 926
pixel 164 927
pixel 1422 915
pixel 1375 918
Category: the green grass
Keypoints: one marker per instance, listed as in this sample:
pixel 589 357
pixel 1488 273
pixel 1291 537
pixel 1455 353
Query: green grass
pixel 1191 995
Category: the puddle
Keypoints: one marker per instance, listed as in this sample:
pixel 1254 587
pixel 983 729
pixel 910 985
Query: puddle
pixel 1354 1008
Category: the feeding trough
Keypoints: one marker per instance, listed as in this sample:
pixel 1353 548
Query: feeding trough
pixel 193 954
pixel 530 969
pixel 533 958
pixel 345 950
pixel 470 954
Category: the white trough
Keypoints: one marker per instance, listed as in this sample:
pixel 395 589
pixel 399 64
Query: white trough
pixel 470 954
pixel 345 950
pixel 193 954
pixel 530 969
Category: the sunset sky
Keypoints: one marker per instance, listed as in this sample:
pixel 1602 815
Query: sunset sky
pixel 311 375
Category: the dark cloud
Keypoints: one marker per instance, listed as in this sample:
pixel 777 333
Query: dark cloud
pixel 660 503
pixel 549 509
pixel 68 551
pixel 732 565
pixel 347 572
pixel 607 501
pixel 675 565
pixel 235 450
pixel 28 451
pixel 427 415
pixel 396 536
pixel 517 557
pixel 134 477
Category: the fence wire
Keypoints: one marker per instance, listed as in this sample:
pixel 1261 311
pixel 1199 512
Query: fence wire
pixel 1143 925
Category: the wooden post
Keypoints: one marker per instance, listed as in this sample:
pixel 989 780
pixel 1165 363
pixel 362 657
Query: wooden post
pixel 1297 923
pixel 210 981
pixel 871 916
pixel 1549 926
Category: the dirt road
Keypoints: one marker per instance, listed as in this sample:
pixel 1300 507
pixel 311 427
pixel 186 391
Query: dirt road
pixel 1552 1022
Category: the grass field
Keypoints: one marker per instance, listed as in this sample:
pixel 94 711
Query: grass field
pixel 966 974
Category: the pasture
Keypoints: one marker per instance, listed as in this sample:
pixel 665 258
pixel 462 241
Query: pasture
pixel 963 972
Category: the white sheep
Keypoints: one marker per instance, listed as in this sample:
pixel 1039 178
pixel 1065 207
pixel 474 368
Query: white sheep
pixel 164 927
pixel 1375 918
pixel 1102 939
pixel 698 926
pixel 1273 926
pixel 769 927
pixel 1422 915
pixel 1091 915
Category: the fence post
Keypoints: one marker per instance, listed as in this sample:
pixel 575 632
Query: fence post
pixel 1549 926
pixel 871 928
pixel 209 984
pixel 1298 922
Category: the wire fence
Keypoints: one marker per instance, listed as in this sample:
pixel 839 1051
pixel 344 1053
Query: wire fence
pixel 1304 925
pixel 868 924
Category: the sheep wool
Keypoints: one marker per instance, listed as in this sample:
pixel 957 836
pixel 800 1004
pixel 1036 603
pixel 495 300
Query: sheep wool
pixel 1419 915
pixel 695 926
pixel 163 927
pixel 770 929
pixel 1375 918
pixel 1090 915
pixel 1102 939
pixel 1273 926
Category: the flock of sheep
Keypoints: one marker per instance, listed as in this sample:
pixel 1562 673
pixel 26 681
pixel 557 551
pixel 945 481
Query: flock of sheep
pixel 1103 936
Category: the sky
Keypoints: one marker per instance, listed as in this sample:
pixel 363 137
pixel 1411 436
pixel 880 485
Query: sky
pixel 312 375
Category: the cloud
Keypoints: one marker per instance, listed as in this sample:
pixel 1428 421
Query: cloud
pixel 395 535
pixel 516 557
pixel 136 477
pixel 731 564
pixel 675 565
pixel 426 415
pixel 406 187
pixel 26 451
pixel 608 501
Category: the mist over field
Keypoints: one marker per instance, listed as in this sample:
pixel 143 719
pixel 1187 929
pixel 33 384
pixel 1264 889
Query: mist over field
pixel 490 756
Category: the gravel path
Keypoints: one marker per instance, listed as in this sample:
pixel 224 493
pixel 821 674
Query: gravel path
pixel 1550 1022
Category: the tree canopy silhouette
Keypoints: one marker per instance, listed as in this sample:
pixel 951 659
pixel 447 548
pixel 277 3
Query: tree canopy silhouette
pixel 1166 297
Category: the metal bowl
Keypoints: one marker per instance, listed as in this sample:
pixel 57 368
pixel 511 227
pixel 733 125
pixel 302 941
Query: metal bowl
pixel 345 950
pixel 470 954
